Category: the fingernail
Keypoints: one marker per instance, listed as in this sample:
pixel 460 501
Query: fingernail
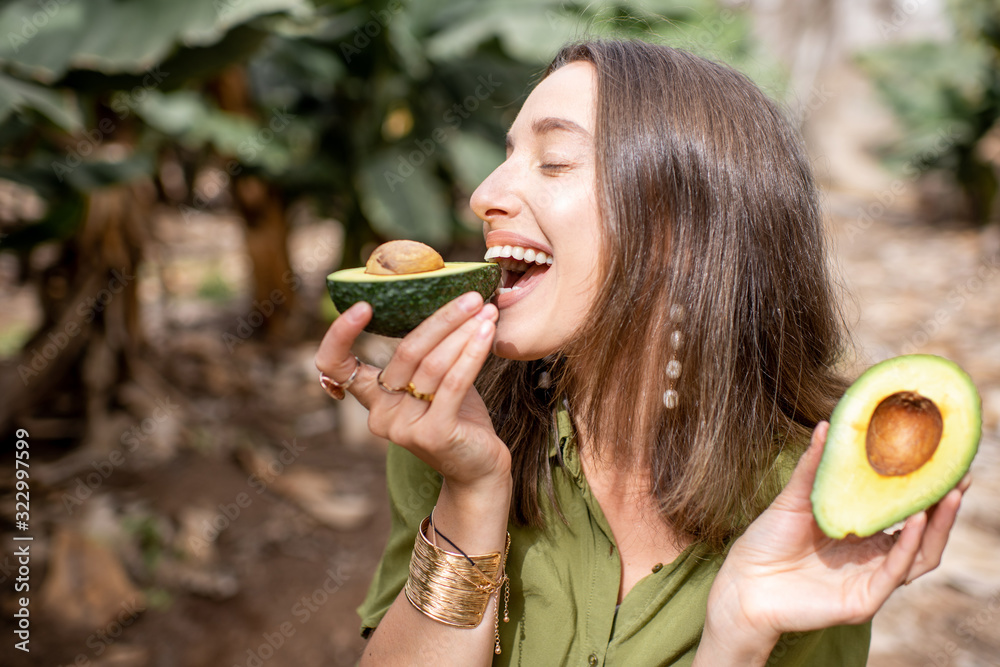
pixel 485 330
pixel 355 312
pixel 485 313
pixel 470 300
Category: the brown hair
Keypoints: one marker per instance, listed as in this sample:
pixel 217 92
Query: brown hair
pixel 711 227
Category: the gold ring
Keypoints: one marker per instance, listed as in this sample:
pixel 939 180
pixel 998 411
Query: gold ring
pixel 390 390
pixel 408 389
pixel 412 391
pixel 336 389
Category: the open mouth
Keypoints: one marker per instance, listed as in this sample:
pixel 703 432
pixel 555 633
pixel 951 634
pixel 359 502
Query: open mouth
pixel 522 266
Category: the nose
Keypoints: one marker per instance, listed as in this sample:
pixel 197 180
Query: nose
pixel 495 199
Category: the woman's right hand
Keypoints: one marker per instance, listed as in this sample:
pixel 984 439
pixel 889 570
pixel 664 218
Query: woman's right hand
pixel 454 435
pixel 442 356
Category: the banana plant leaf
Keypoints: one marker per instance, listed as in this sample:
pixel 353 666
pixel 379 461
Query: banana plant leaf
pixel 45 40
pixel 402 198
pixel 58 107
pixel 188 118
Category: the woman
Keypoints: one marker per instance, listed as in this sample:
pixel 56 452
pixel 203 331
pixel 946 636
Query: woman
pixel 647 397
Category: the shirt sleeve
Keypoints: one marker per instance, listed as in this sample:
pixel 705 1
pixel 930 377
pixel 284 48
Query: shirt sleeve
pixel 413 490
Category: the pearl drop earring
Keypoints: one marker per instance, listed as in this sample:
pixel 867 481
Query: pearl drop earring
pixel 670 396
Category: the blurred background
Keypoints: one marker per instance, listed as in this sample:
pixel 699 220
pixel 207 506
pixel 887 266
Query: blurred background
pixel 178 176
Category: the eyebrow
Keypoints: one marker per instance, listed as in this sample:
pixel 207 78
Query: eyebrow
pixel 551 124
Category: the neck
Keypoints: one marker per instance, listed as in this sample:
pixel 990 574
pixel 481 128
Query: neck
pixel 626 457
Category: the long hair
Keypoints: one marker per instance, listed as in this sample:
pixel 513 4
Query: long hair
pixel 713 342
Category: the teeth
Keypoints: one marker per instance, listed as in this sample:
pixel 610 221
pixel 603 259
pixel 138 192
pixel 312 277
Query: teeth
pixel 504 290
pixel 518 253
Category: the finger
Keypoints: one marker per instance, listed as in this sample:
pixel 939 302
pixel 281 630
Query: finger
pixel 459 379
pixel 942 519
pixel 800 485
pixel 427 378
pixel 433 366
pixel 419 342
pixel 334 354
pixel 899 560
pixel 966 482
pixel 410 409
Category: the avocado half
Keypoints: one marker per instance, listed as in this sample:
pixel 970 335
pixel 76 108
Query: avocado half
pixel 900 438
pixel 401 302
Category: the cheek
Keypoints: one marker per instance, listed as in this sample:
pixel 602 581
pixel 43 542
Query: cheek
pixel 564 196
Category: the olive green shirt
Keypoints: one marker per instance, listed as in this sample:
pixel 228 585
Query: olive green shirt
pixel 564 583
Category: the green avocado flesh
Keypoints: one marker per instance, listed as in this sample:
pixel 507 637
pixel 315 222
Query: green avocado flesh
pixel 401 302
pixel 850 495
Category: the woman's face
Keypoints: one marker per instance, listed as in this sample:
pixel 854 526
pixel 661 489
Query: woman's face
pixel 541 219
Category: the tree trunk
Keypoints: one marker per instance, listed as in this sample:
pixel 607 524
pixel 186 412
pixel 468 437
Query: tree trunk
pixel 65 377
pixel 265 213
pixel 263 210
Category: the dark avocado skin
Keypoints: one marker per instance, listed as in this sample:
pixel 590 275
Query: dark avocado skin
pixel 400 305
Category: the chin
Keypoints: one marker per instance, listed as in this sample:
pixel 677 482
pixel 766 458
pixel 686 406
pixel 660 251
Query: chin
pixel 506 349
pixel 518 346
pixel 508 345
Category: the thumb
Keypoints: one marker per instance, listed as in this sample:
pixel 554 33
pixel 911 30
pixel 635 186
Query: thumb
pixel 334 357
pixel 801 482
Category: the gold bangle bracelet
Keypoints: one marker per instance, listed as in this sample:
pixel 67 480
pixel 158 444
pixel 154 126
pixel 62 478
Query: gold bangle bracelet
pixel 449 589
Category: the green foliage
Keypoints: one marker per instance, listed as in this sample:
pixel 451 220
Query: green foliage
pixel 384 114
pixel 158 599
pixel 407 104
pixel 112 36
pixel 215 288
pixel 946 95
pixel 12 338
pixel 146 532
pixel 55 107
pixel 80 77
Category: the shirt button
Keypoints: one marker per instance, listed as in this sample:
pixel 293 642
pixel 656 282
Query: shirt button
pixel 657 567
pixel 592 660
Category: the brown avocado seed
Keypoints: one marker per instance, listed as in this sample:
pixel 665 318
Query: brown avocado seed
pixel 903 433
pixel 401 257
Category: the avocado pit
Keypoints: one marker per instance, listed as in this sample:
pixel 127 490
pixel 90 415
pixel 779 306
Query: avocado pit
pixel 903 433
pixel 396 258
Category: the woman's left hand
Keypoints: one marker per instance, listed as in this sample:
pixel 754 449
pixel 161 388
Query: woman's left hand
pixel 784 575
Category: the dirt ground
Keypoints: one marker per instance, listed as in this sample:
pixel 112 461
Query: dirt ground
pixel 244 529
pixel 917 280
pixel 936 290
